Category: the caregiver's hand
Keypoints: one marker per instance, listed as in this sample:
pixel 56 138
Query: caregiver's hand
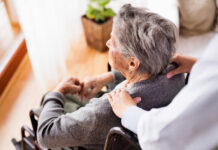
pixel 120 100
pixel 185 64
pixel 92 85
pixel 69 85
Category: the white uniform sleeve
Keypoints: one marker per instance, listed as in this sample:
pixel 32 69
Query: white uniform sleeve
pixel 131 118
pixel 190 122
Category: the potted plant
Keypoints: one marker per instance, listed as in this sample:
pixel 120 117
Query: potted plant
pixel 97 24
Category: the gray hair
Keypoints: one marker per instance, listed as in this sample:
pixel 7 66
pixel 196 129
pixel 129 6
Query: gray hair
pixel 146 36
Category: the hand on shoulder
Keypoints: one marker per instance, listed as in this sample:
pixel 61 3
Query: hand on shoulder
pixel 185 64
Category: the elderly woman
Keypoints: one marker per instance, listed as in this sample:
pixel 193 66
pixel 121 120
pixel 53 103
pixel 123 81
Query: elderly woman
pixel 141 46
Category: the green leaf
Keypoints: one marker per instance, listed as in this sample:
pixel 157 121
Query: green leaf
pixel 99 17
pixel 103 3
pixel 108 12
pixel 90 12
pixel 100 13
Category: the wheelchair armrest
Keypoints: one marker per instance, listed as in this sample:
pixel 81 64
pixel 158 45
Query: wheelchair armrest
pixel 34 115
pixel 126 134
pixel 36 111
pixel 28 130
pixel 27 139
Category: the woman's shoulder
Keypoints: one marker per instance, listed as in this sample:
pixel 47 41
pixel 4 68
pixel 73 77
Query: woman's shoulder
pixel 160 81
pixel 157 91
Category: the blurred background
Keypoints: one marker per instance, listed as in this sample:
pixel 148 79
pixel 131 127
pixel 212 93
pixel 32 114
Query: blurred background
pixel 42 41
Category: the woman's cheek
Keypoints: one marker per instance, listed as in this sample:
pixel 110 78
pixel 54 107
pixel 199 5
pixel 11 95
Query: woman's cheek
pixel 114 53
pixel 112 58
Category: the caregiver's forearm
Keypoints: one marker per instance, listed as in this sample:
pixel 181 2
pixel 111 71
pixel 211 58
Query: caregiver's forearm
pixel 131 118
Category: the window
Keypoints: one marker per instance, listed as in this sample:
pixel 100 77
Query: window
pixel 11 50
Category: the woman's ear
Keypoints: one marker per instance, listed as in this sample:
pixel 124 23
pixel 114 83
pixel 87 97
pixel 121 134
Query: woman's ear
pixel 133 64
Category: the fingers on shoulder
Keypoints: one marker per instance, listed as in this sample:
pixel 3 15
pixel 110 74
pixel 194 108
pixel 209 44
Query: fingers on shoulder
pixel 109 96
pixel 119 92
pixel 176 57
pixel 176 71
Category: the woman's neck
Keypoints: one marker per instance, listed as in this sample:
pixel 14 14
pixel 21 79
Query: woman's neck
pixel 136 78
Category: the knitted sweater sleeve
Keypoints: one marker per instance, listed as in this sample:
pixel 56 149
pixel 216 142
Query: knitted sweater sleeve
pixel 56 129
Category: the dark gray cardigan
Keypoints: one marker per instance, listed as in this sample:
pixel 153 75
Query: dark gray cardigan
pixel 89 125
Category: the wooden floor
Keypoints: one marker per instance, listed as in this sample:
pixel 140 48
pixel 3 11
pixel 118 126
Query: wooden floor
pixel 23 93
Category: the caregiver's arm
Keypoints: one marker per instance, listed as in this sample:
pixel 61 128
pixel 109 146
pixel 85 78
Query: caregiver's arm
pixel 125 108
pixel 189 121
pixel 131 114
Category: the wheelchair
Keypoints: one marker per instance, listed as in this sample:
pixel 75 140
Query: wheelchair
pixel 118 138
pixel 115 137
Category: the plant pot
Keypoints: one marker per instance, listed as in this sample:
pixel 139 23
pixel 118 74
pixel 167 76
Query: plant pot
pixel 97 34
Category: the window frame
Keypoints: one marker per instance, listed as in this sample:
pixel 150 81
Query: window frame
pixel 13 57
pixel 12 63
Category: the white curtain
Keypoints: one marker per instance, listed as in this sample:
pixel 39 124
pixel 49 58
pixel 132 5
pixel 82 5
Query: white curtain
pixel 6 32
pixel 50 28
